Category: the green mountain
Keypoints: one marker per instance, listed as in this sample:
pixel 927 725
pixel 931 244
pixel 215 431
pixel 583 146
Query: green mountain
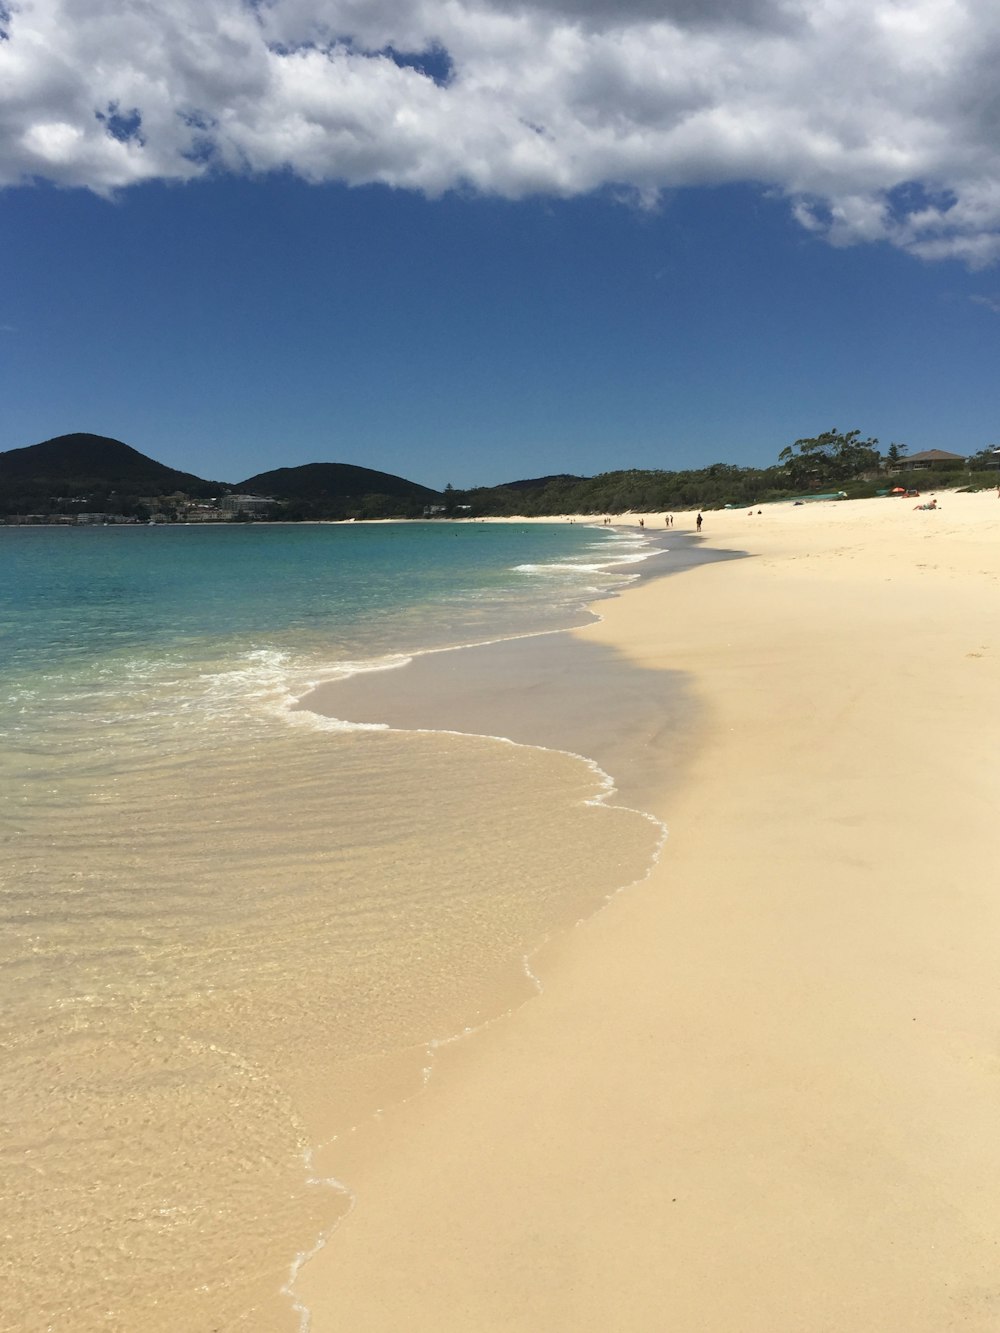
pixel 79 473
pixel 541 483
pixel 339 490
pixel 88 472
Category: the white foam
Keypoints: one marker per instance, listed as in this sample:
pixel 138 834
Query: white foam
pixel 303 1257
pixel 310 721
pixel 555 568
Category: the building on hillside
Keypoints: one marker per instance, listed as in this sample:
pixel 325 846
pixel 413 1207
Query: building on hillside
pixel 245 504
pixel 170 503
pixel 435 511
pixel 929 459
pixel 203 514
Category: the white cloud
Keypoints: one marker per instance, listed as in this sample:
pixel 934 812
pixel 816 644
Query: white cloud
pixel 879 119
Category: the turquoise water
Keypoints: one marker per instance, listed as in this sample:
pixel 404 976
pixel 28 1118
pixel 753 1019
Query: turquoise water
pixel 230 927
pixel 85 594
pixel 181 617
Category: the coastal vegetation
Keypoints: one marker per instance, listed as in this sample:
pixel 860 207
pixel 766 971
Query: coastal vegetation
pixel 83 476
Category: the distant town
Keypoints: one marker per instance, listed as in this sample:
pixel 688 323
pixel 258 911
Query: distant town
pixel 174 508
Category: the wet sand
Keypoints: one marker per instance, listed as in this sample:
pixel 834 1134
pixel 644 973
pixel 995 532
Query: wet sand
pixel 759 1091
pixel 557 690
pixel 550 691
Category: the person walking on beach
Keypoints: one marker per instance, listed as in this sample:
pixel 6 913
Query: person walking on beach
pixel 698 522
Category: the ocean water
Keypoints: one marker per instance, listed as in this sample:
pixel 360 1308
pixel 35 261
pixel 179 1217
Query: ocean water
pixel 231 928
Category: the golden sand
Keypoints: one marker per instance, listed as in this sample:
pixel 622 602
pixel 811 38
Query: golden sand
pixel 761 1090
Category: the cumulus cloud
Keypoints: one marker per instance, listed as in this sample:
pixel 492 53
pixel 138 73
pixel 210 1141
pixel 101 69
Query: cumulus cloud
pixel 878 119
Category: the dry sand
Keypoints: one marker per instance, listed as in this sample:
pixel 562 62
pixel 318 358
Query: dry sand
pixel 760 1091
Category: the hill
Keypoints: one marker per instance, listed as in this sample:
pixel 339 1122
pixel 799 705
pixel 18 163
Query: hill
pixel 540 483
pixel 334 490
pixel 81 471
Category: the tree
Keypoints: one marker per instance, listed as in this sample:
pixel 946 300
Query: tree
pixel 896 451
pixel 831 457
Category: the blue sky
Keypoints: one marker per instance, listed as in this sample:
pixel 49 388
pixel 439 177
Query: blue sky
pixel 446 304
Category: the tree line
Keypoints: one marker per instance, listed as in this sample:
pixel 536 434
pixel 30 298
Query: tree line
pixel 832 460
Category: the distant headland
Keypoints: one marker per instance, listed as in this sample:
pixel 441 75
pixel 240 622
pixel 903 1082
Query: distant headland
pixel 84 478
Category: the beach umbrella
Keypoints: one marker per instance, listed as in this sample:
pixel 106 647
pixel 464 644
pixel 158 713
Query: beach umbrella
pixel 898 490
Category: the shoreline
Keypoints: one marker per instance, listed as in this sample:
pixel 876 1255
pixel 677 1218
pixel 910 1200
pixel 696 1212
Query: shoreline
pixel 317 904
pixel 454 691
pixel 548 689
pixel 717 1113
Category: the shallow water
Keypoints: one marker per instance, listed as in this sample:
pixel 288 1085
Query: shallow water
pixel 230 928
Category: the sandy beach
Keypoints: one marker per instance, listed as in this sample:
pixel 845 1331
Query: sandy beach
pixel 759 1090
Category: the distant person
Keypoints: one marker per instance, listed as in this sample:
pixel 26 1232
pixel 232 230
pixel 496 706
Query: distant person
pixel 642 522
pixel 698 522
